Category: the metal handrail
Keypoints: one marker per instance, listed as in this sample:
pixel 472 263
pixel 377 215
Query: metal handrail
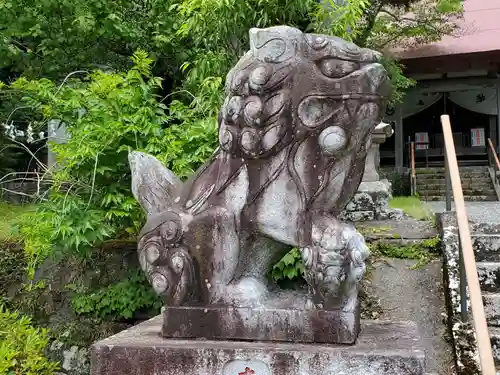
pixel 469 261
pixel 413 177
pixel 494 161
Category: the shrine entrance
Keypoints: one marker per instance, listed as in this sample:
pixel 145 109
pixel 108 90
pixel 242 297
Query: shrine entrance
pixel 470 131
pixel 472 121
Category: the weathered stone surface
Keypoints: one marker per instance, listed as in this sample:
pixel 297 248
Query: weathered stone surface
pixel 355 216
pixel 391 214
pixel 409 292
pixel 305 326
pixel 293 137
pixel 408 229
pixel 371 202
pixel 380 134
pixel 489 276
pixel 73 360
pixel 361 202
pixel 383 348
pixel 491 302
pixel 462 334
pixel 476 184
pixel 486 247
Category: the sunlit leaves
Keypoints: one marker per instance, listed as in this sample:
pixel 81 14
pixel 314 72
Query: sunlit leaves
pixel 22 346
pixel 341 18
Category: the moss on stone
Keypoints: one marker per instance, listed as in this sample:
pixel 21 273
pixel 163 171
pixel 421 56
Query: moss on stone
pixel 366 230
pixel 423 251
pixel 12 265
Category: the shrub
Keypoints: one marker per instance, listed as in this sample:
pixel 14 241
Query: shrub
pixel 22 346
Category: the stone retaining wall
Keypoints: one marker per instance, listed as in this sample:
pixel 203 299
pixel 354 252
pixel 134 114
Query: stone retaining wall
pixel 462 334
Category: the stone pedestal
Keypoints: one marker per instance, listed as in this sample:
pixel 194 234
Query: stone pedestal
pixel 382 348
pixel 371 201
pixel 380 134
pixel 264 324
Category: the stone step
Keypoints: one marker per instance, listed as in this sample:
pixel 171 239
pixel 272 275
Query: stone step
pixel 383 348
pixel 491 303
pixel 489 276
pixel 484 228
pixel 481 168
pixel 495 344
pixel 440 179
pixel 467 173
pixel 437 190
pixel 486 247
pixel 481 198
pixel 478 181
pixel 472 182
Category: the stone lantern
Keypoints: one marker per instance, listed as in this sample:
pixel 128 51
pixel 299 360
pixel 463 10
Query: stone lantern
pixel 371 201
pixel 380 134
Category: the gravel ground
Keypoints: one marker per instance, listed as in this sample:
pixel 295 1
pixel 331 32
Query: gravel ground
pixel 481 212
pixel 416 295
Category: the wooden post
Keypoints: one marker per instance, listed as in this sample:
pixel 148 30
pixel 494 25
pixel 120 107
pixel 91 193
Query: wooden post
pixel 399 140
pixel 413 176
pixel 469 260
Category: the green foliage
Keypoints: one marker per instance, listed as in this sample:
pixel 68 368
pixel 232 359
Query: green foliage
pixel 56 46
pixel 400 182
pixel 53 37
pixel 289 267
pixel 106 116
pixel 400 83
pixel 12 266
pixel 217 43
pixel 22 346
pixel 119 300
pixel 385 24
pixel 341 18
pixel 420 22
pixel 422 251
pixel 413 207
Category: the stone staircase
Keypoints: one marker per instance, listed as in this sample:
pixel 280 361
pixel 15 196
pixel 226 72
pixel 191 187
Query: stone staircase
pixel 486 245
pixel 476 184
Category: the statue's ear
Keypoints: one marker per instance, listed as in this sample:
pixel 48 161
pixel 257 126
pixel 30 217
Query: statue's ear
pixel 153 185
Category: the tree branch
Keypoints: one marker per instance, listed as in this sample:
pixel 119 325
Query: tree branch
pixel 371 17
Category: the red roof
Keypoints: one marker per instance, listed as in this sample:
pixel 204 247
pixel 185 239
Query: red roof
pixel 479 32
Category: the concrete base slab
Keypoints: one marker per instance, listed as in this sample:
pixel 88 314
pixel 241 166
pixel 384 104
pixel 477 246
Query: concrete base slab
pixel 263 324
pixel 383 348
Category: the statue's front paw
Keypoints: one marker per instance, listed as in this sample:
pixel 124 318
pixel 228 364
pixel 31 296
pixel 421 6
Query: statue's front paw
pixel 324 273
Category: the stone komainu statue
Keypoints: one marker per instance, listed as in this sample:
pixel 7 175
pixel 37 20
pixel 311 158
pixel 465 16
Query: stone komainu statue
pixel 293 136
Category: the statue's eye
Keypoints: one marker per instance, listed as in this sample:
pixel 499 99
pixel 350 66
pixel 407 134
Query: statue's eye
pixel 334 68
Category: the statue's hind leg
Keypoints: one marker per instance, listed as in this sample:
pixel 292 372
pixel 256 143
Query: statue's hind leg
pixel 190 258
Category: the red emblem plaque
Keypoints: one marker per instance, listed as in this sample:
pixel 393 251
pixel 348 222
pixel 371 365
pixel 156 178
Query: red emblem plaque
pixel 248 371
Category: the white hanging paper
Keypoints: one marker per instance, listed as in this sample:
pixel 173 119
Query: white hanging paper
pixel 419 138
pixel 477 137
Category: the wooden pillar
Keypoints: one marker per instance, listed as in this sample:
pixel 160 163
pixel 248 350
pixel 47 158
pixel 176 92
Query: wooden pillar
pixel 399 140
